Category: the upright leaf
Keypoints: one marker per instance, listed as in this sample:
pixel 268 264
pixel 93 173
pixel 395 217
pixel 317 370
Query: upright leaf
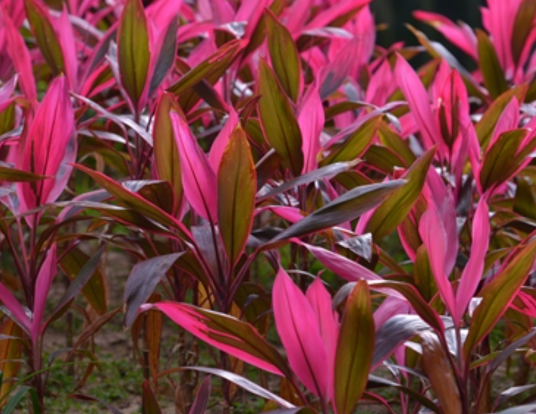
pixel 166 153
pixel 45 36
pixel 439 372
pixel 236 194
pixel 133 54
pixel 298 329
pixel 491 69
pixel 284 56
pixel 355 349
pixel 198 178
pixel 278 120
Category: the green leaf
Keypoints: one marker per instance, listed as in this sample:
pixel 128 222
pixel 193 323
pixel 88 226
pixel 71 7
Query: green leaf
pixel 498 294
pixel 396 207
pixel 166 153
pixel 522 27
pixel 485 127
pixel 149 402
pixel 135 201
pixel 503 158
pixel 355 348
pixel 491 69
pixel 278 120
pixel 236 194
pixel 89 279
pixel 284 56
pixel 45 36
pixel 13 175
pixel 354 143
pixel 133 55
pixel 207 72
pixel 86 277
pixel 439 372
pixel 345 208
pixel 423 275
pixel 395 143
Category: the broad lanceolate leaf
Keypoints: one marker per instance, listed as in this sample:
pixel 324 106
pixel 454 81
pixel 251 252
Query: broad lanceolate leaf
pixel 490 66
pixel 166 153
pixel 46 146
pixel 439 372
pixel 298 329
pixel 354 350
pixel 236 194
pixel 345 208
pixel 418 101
pixel 284 57
pixel 45 36
pixel 10 355
pixel 498 294
pixel 133 54
pixel 143 280
pixel 388 216
pixel 198 178
pixel 228 334
pixel 522 28
pixel 278 120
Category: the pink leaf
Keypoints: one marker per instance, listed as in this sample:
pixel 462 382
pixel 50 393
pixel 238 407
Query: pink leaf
pixel 221 141
pixel 298 329
pixel 198 178
pixel 345 268
pixel 473 270
pixel 21 59
pixel 205 328
pixel 311 120
pixel 418 102
pixel 434 236
pixel 42 287
pixel 461 36
pixel 17 312
pixel 328 321
pixel 68 48
pixel 46 145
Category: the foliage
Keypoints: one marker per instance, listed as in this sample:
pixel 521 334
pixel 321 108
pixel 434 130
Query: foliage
pixel 324 225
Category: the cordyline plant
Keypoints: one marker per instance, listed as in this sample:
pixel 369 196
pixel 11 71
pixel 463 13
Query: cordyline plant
pixel 326 226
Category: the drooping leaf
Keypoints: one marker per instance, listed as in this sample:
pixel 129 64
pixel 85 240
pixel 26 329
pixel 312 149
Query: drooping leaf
pixel 226 333
pixel 344 208
pixel 142 282
pixel 85 277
